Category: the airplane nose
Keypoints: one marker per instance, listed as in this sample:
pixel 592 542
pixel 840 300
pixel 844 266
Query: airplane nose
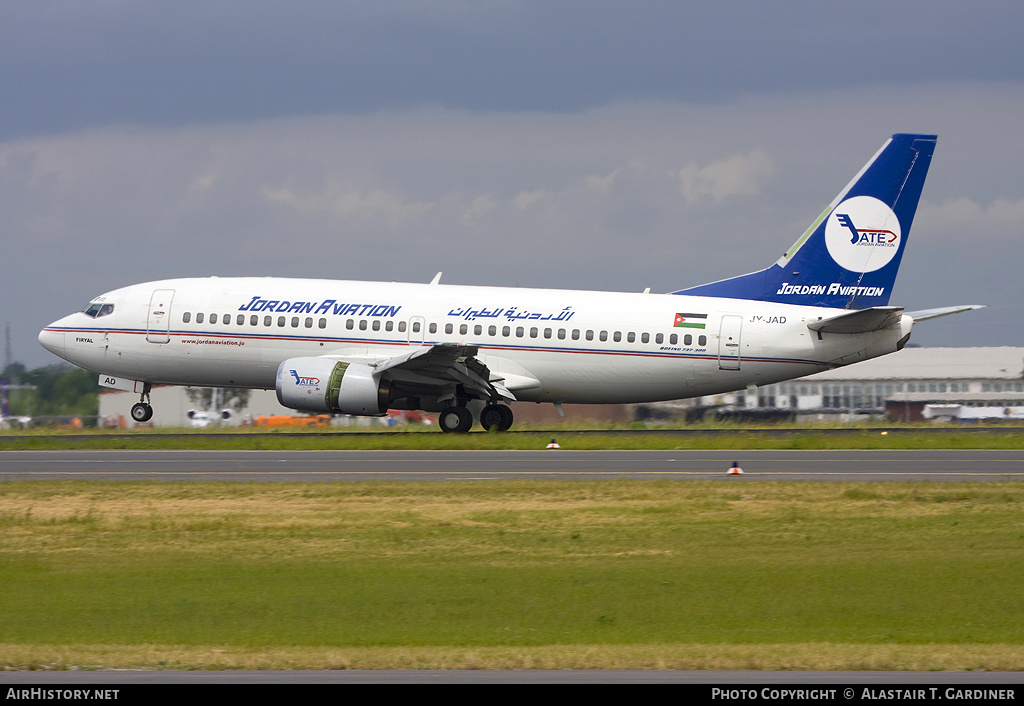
pixel 52 341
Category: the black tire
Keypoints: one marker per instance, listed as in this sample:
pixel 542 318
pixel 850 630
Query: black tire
pixel 142 412
pixel 497 417
pixel 506 418
pixel 455 420
pixel 491 417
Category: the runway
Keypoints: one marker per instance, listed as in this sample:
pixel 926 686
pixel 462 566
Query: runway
pixel 564 465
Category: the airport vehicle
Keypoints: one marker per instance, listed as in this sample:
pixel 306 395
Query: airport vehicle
pixel 362 348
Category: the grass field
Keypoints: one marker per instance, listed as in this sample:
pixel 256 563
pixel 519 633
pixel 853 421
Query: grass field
pixel 615 574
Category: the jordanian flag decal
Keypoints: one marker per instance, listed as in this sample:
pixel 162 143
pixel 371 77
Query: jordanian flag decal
pixel 690 320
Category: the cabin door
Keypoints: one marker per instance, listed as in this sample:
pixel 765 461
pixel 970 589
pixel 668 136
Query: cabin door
pixel 159 324
pixel 729 342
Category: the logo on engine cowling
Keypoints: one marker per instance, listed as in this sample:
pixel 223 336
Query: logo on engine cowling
pixel 305 381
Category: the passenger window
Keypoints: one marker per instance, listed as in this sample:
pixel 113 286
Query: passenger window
pixel 575 334
pixel 547 333
pixel 186 317
pixel 448 328
pixel 617 336
pixel 590 335
pixel 323 323
pixel 199 318
pixel 415 326
pixel 702 341
pixel 631 337
pixel 533 332
pixel 280 321
pixel 309 322
pixel 561 334
pixel 295 322
pixel 389 325
pixel 402 326
pixel 645 338
pixel 688 340
pixel 604 336
pixel 478 330
pixel 240 320
pixel 492 330
pixel 254 320
pixel 362 324
pixel 463 330
pixel 350 324
pixel 519 331
pixel 673 339
pixel 659 338
pixel 268 320
pixel 376 325
pixel 433 328
pixel 506 331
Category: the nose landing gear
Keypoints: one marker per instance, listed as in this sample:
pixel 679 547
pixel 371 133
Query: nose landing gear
pixel 142 411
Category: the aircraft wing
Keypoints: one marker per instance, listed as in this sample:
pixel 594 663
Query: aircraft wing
pixel 441 365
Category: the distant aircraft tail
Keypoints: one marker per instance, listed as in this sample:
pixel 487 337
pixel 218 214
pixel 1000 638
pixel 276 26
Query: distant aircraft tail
pixel 849 257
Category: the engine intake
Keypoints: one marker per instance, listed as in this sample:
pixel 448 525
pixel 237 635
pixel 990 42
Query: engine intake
pixel 323 386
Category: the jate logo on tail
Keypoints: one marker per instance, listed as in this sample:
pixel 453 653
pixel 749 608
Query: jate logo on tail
pixel 858 248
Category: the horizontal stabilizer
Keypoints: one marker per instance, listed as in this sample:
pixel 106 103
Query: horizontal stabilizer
pixel 926 314
pixel 861 321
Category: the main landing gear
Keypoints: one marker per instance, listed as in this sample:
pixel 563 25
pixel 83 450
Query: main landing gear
pixel 142 411
pixel 497 417
pixel 459 420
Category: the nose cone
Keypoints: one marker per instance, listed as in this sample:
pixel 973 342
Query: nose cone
pixel 52 340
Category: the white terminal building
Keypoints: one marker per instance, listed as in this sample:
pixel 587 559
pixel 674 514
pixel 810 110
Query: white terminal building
pixel 911 385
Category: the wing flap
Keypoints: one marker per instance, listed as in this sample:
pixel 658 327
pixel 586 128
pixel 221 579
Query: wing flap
pixel 442 366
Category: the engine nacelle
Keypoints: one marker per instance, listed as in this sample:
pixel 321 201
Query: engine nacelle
pixel 323 385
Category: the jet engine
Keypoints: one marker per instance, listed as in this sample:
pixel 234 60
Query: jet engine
pixel 323 385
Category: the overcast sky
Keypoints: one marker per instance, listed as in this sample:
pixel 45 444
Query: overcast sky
pixel 589 144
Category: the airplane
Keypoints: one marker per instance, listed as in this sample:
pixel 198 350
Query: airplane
pixel 6 420
pixel 362 348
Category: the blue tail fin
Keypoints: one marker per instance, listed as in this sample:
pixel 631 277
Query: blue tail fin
pixel 849 257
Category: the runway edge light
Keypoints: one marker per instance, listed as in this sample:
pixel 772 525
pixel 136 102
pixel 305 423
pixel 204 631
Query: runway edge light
pixel 553 445
pixel 735 470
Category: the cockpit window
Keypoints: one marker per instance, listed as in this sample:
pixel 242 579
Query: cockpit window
pixel 98 309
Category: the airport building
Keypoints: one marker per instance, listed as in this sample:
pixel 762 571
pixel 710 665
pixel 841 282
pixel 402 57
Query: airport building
pixel 911 385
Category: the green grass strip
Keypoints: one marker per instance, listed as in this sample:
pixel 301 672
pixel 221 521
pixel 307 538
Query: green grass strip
pixel 640 574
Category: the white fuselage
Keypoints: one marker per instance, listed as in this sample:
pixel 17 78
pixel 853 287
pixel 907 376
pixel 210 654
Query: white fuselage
pixel 548 345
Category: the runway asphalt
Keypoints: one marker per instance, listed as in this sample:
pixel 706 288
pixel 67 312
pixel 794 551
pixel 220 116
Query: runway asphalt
pixel 319 466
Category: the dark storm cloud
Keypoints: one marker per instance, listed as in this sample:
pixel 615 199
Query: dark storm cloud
pixel 68 65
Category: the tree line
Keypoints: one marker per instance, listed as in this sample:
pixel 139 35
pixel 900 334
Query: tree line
pixel 58 390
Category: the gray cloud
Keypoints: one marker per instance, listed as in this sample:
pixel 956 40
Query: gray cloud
pixel 65 65
pixel 598 145
pixel 624 197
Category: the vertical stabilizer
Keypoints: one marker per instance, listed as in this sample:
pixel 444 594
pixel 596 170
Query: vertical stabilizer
pixel 850 255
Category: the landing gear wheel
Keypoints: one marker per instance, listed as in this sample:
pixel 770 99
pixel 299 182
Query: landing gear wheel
pixel 456 420
pixel 142 412
pixel 497 417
